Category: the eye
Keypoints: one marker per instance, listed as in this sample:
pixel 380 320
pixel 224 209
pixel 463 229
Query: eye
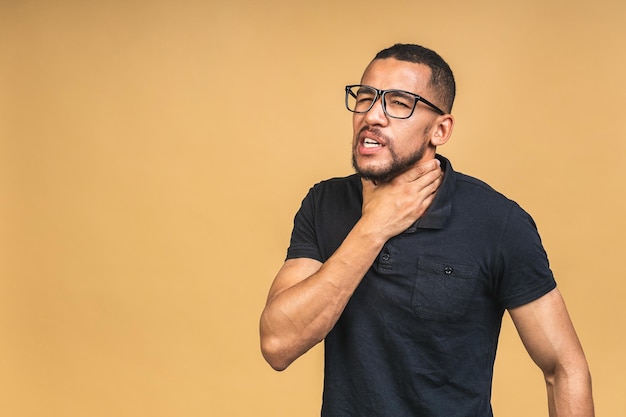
pixel 364 100
pixel 399 103
pixel 400 100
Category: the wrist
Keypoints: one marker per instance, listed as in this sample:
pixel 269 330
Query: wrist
pixel 372 236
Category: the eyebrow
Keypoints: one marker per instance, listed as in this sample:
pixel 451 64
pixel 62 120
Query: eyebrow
pixel 366 88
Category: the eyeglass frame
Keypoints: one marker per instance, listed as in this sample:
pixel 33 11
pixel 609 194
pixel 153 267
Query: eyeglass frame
pixel 381 94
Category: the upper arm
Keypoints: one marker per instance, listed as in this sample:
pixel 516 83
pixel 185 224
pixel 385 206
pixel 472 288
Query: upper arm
pixel 547 332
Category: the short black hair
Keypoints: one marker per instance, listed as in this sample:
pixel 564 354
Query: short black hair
pixel 441 80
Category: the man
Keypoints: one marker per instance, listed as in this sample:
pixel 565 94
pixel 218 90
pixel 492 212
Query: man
pixel 405 268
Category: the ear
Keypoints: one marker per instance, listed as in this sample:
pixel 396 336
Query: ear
pixel 442 130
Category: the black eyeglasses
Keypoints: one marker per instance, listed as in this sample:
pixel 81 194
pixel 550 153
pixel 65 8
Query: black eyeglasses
pixel 398 104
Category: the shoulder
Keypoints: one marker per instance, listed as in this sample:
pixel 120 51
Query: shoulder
pixel 474 184
pixel 336 188
pixel 477 199
pixel 337 183
pixel 469 192
pixel 472 190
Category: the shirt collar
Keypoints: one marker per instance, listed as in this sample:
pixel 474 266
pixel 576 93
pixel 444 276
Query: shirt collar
pixel 441 207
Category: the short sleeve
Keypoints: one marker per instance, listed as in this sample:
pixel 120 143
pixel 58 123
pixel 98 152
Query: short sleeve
pixel 303 242
pixel 525 270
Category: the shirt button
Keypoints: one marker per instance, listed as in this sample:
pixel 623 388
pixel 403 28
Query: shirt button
pixel 448 270
pixel 386 257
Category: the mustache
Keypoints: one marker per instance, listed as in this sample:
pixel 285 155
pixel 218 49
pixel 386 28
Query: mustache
pixel 373 132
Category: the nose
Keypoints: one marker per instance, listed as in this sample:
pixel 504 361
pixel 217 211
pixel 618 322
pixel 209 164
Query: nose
pixel 376 115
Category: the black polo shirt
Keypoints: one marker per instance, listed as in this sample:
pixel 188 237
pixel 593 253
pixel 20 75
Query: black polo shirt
pixel 419 335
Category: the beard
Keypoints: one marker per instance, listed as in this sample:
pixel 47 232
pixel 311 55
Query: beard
pixel 398 166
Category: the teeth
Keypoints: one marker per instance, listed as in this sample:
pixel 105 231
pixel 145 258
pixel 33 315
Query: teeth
pixel 370 143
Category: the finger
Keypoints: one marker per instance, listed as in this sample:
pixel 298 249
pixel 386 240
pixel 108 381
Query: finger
pixel 423 207
pixel 429 178
pixel 427 186
pixel 421 169
pixel 434 186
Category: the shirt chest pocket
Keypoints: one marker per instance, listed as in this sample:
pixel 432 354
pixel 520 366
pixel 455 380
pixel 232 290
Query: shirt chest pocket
pixel 442 290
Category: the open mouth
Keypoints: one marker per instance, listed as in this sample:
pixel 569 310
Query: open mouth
pixel 370 143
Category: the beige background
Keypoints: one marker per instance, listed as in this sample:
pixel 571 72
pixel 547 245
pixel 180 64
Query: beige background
pixel 153 155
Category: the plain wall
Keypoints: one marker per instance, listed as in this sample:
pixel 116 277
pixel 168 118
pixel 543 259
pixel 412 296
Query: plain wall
pixel 153 155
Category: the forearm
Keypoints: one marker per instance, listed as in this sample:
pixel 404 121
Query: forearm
pixel 300 316
pixel 569 392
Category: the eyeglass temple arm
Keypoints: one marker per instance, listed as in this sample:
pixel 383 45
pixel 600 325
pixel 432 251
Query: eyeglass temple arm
pixel 431 105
